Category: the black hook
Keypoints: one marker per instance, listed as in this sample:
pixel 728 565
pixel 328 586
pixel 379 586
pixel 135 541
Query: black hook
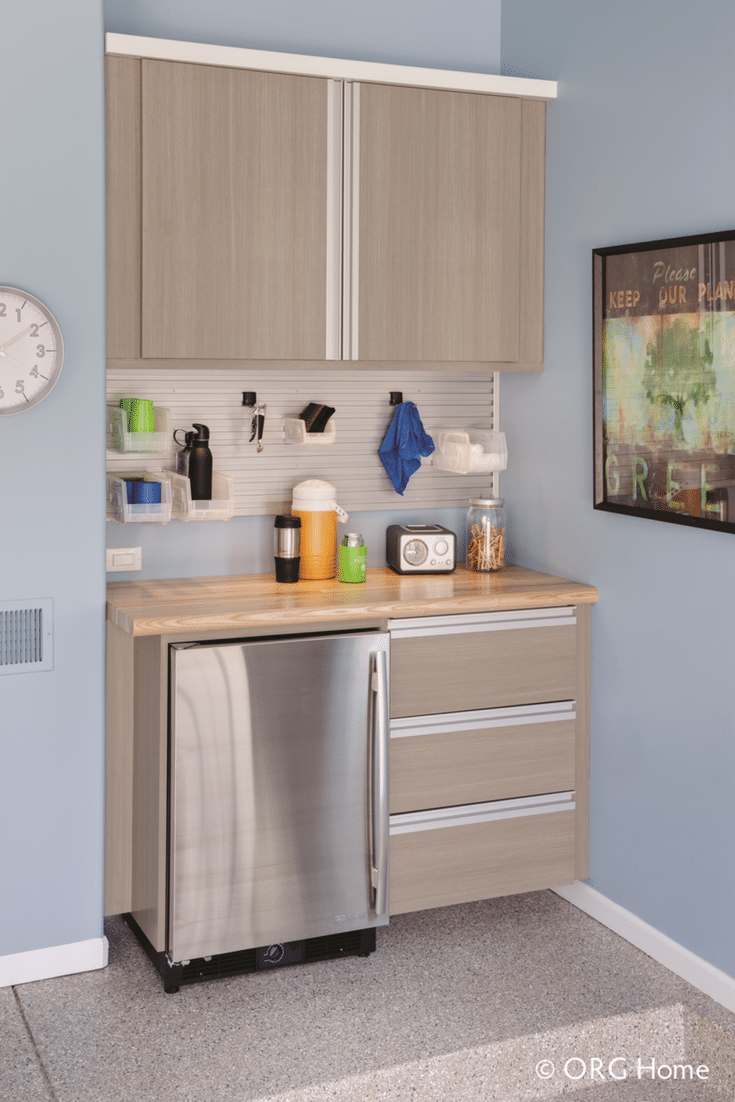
pixel 249 398
pixel 396 397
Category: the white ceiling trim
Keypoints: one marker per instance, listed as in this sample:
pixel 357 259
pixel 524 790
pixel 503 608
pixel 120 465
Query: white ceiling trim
pixel 236 57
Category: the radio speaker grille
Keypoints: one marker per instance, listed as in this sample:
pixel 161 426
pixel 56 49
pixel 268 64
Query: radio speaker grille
pixel 26 636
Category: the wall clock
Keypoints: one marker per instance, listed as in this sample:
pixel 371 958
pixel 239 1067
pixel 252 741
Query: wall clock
pixel 31 351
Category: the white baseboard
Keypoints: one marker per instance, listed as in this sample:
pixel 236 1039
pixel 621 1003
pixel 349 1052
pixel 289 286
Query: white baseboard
pixel 58 960
pixel 696 971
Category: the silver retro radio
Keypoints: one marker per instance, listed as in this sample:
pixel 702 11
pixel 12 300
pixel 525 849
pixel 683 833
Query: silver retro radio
pixel 420 549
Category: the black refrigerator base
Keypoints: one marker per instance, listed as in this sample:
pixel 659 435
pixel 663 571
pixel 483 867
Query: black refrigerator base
pixel 354 943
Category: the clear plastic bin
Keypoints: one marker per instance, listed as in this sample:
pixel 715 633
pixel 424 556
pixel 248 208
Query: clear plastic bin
pixel 221 506
pixel 294 432
pixel 471 449
pixel 122 511
pixel 120 440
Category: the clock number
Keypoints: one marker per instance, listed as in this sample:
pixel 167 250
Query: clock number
pixel 31 352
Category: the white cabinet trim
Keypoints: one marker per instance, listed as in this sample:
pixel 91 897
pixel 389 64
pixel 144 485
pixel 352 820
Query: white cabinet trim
pixel 236 57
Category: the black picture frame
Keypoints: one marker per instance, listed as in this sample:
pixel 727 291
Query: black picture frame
pixel 664 380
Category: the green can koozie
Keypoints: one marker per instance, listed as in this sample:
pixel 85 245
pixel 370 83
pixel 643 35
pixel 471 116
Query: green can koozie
pixel 352 558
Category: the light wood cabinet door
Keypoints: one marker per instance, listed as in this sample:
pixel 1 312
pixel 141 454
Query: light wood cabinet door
pixel 450 226
pixel 234 203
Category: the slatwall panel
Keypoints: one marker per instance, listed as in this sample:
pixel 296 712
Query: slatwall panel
pixel 263 481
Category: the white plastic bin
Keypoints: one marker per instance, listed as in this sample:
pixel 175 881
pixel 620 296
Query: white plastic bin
pixel 471 449
pixel 184 508
pixel 294 432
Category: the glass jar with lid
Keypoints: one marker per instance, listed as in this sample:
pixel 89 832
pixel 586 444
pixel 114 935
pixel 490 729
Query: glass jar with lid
pixel 486 534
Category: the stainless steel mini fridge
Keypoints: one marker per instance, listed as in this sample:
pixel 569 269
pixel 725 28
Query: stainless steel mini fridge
pixel 278 817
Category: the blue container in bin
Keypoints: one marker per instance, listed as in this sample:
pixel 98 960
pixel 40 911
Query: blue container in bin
pixel 146 492
pixel 141 491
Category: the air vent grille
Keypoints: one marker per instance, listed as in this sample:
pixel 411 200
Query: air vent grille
pixel 26 636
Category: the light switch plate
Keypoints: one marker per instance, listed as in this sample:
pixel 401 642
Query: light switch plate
pixel 123 558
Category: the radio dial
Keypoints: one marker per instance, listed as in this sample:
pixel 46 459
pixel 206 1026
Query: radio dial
pixel 415 552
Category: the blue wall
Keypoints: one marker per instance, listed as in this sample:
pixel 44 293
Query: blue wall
pixel 52 486
pixel 244 545
pixel 443 34
pixel 639 146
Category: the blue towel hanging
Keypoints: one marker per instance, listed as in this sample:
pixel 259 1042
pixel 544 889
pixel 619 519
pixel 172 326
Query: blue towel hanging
pixel 405 442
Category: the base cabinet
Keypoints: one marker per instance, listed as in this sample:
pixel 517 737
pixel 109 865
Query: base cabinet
pixel 489 757
pixel 491 799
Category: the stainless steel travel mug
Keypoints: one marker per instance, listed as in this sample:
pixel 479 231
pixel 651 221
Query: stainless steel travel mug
pixel 286 547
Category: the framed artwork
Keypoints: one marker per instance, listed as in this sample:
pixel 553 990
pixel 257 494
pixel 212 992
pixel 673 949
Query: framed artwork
pixel 664 383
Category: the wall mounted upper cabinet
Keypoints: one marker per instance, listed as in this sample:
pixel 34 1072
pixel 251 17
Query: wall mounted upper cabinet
pixel 234 213
pixel 257 215
pixel 216 196
pixel 439 226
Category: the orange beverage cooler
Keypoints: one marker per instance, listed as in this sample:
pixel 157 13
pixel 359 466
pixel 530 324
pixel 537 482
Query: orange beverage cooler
pixel 314 502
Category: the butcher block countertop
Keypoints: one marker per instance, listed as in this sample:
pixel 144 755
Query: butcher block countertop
pixel 243 601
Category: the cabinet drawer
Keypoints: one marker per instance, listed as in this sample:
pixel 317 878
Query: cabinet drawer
pixel 441 865
pixel 460 663
pixel 470 757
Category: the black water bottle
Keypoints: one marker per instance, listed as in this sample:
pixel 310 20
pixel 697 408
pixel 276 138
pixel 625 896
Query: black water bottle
pixel 200 465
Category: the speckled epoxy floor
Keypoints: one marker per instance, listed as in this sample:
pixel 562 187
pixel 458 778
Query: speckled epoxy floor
pixel 457 1005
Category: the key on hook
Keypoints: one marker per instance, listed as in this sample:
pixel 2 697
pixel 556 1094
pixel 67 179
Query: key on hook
pixel 256 425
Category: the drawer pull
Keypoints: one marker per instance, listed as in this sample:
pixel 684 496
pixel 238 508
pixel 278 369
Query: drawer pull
pixel 442 817
pixel 482 621
pixel 481 719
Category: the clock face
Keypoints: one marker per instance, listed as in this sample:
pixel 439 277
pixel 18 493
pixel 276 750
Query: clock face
pixel 31 350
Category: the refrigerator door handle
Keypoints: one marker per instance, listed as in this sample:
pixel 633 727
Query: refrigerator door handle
pixel 379 774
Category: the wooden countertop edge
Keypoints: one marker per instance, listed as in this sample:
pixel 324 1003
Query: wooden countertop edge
pixel 535 591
